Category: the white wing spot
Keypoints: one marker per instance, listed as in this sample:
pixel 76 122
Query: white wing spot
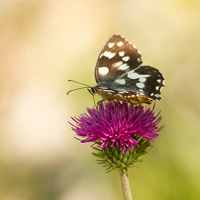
pixel 109 91
pixel 134 46
pixel 151 94
pixel 111 44
pixel 132 75
pixel 120 81
pixel 103 71
pixel 142 92
pixel 159 80
pixel 123 92
pixel 117 64
pixel 104 88
pixel 157 87
pixel 123 67
pixel 142 79
pixel 135 75
pixel 122 53
pixel 126 58
pixel 111 55
pixel 140 85
pixel 106 53
pixel 101 55
pixel 119 44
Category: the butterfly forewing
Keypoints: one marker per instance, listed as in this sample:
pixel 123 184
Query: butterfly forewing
pixel 117 57
pixel 120 76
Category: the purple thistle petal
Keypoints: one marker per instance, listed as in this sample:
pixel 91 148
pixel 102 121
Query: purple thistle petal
pixel 117 124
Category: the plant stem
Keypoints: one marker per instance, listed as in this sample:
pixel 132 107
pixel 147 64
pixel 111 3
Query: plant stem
pixel 126 190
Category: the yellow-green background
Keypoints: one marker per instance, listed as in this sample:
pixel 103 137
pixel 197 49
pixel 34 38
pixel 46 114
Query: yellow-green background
pixel 45 43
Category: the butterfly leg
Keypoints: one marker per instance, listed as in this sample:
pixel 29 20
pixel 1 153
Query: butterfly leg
pixel 97 107
pixel 99 103
pixel 113 104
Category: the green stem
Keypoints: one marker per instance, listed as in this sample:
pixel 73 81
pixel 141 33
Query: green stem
pixel 126 190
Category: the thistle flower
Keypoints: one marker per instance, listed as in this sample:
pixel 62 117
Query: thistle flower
pixel 121 132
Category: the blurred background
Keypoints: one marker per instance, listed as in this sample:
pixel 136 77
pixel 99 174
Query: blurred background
pixel 45 43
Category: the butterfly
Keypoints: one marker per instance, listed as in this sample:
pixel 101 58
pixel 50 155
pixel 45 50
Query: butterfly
pixel 121 77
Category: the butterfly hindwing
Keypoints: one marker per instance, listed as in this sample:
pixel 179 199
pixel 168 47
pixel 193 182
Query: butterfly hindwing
pixel 146 80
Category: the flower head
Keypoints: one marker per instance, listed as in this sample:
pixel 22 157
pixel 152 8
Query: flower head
pixel 118 124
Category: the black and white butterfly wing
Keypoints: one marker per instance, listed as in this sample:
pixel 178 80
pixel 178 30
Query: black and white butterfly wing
pixel 117 57
pixel 146 80
pixel 120 76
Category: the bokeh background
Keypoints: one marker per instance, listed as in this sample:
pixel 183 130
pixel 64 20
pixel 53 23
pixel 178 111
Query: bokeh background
pixel 45 43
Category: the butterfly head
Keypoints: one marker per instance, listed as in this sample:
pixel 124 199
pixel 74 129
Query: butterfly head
pixel 92 90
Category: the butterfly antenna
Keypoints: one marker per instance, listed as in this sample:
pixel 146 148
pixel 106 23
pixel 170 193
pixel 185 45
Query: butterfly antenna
pixel 87 86
pixel 79 83
pixel 77 89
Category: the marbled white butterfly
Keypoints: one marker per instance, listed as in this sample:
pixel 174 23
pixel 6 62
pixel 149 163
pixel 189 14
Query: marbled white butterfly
pixel 120 76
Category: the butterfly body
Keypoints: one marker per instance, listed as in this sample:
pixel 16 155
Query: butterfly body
pixel 120 76
pixel 111 95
